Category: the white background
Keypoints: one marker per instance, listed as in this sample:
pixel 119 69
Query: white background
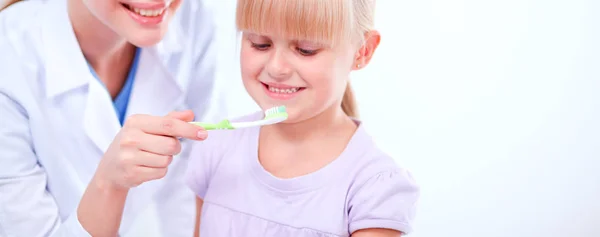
pixel 495 107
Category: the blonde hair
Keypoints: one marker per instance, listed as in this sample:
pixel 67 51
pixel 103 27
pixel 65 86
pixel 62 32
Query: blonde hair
pixel 323 21
pixel 7 3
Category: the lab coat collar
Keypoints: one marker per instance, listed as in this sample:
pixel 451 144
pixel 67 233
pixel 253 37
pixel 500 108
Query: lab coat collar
pixel 155 90
pixel 66 67
pixel 173 41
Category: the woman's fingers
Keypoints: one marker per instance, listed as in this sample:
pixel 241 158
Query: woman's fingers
pixel 145 147
pixel 151 160
pixel 161 145
pixel 144 174
pixel 167 126
pixel 185 115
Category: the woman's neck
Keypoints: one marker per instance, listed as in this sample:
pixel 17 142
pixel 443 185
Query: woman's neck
pixel 107 53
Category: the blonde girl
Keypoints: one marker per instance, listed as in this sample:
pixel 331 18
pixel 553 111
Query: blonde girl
pixel 318 173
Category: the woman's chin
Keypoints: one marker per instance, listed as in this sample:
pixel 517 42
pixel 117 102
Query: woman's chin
pixel 148 41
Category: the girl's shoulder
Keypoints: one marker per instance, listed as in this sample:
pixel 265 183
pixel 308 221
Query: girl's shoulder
pixel 368 159
pixel 377 168
pixel 382 193
pixel 373 163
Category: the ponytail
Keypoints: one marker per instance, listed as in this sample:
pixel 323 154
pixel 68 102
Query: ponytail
pixel 349 105
pixel 7 3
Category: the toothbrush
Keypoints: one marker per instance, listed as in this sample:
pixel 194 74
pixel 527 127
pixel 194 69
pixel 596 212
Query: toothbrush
pixel 272 116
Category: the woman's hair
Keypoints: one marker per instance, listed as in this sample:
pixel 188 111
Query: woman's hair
pixel 325 21
pixel 7 3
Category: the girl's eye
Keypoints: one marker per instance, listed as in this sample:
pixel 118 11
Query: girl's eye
pixel 260 46
pixel 306 52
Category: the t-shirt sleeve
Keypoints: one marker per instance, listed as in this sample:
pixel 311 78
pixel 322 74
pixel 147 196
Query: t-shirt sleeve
pixel 387 200
pixel 202 163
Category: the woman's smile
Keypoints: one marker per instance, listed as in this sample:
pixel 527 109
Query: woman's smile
pixel 147 13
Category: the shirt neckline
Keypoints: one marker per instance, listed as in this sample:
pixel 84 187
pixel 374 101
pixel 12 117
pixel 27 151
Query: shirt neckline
pixel 358 144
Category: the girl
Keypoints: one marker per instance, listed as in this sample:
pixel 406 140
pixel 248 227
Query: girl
pixel 74 74
pixel 318 173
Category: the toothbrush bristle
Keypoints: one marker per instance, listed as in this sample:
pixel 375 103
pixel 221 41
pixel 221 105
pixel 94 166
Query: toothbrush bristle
pixel 274 110
pixel 275 114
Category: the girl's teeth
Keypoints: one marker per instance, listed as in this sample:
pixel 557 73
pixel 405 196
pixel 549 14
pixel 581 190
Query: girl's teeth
pixel 148 13
pixel 283 91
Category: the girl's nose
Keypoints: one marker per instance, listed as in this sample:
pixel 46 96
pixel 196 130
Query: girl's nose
pixel 277 67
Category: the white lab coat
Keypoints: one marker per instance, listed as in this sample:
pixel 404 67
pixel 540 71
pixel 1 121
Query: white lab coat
pixel 56 119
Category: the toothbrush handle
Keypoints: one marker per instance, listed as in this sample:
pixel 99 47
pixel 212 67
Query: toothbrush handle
pixel 224 124
pixel 206 126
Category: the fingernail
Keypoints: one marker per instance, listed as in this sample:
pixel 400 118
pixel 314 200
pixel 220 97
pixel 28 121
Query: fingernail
pixel 202 134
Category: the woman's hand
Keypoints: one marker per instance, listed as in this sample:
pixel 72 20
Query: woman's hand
pixel 141 151
pixel 144 148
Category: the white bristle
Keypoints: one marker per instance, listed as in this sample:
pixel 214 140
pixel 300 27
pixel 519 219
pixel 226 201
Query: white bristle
pixel 271 110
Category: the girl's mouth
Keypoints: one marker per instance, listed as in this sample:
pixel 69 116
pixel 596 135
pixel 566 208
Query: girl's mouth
pixel 282 92
pixel 283 89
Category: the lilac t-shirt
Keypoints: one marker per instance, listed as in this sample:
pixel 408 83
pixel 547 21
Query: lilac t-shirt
pixel 362 188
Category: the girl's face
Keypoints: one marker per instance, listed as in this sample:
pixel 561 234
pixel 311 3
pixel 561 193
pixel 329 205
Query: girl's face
pixel 141 22
pixel 307 77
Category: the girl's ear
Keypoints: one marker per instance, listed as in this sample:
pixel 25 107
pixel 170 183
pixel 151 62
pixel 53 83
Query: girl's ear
pixel 366 51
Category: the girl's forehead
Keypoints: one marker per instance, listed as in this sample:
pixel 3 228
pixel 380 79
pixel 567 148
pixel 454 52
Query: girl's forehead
pixel 325 22
pixel 282 36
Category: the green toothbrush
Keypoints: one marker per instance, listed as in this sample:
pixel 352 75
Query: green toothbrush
pixel 272 116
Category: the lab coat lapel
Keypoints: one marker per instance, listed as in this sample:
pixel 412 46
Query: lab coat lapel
pixel 67 70
pixel 100 123
pixel 155 89
pixel 66 67
pixel 155 92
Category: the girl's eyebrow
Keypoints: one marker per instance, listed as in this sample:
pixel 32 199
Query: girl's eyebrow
pixel 250 34
pixel 254 36
pixel 311 43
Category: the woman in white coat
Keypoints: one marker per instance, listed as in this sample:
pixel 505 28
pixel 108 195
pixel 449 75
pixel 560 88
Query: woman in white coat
pixel 71 74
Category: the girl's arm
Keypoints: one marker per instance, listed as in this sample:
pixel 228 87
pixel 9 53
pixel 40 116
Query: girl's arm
pixel 376 232
pixel 199 203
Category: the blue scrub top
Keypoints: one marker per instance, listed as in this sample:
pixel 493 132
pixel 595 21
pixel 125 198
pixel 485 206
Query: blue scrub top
pixel 122 100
